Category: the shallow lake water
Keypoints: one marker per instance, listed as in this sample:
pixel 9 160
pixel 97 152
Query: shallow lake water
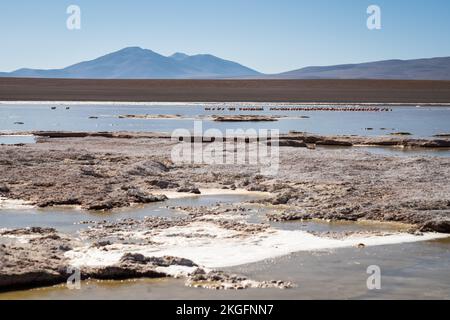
pixel 67 219
pixel 416 270
pixel 394 151
pixel 409 271
pixel 423 122
pixel 412 270
pixel 420 122
pixel 17 139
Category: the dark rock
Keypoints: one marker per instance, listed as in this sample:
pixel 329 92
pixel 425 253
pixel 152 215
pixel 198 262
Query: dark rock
pixel 244 118
pixel 51 236
pixel 148 168
pixel 442 135
pixel 4 189
pixel 92 173
pixel 426 204
pixel 287 216
pixel 436 225
pixel 163 184
pixel 257 187
pixel 401 134
pixel 121 272
pixel 65 248
pixel 100 244
pixel 278 187
pixel 245 182
pixel 167 261
pixel 39 262
pixel 58 202
pixel 189 189
pixel 198 272
pixel 139 196
pixel 28 231
pixel 30 278
pixel 101 205
pixel 292 143
pixel 133 258
pixel 85 157
pixel 438 143
pixel 283 198
pixel 45 184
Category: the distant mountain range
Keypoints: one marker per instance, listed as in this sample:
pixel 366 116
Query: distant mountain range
pixel 138 63
pixel 419 69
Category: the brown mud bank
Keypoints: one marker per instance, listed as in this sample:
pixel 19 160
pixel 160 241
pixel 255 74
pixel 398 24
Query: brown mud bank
pixel 103 171
pixel 394 140
pixel 327 91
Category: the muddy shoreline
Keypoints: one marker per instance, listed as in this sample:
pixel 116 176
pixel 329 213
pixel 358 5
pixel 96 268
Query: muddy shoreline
pixel 140 248
pixel 38 258
pixel 105 171
pixel 392 140
pixel 102 171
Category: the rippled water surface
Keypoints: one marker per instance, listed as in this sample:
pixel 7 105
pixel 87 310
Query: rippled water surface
pixel 420 122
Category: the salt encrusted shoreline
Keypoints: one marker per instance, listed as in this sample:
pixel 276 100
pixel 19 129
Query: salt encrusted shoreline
pixel 103 171
pixel 194 248
pixel 14 204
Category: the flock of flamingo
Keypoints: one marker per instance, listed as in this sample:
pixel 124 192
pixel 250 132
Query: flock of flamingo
pixel 317 108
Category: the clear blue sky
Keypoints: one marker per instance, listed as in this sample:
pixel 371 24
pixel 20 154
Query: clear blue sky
pixel 268 35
